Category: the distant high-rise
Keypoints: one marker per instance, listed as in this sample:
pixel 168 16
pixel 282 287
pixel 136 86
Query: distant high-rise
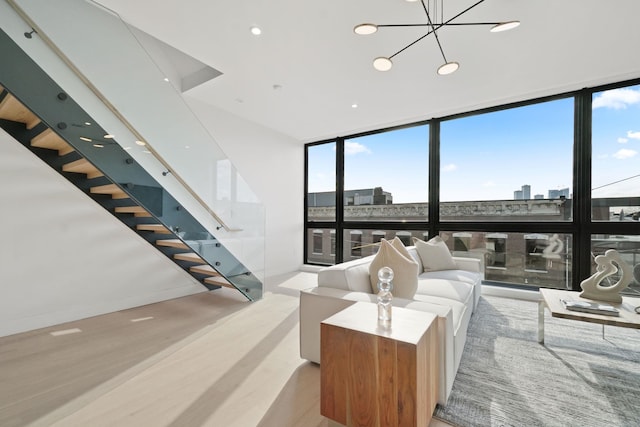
pixel 523 194
pixel 556 194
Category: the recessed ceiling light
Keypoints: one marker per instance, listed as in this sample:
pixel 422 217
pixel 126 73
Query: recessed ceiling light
pixel 166 79
pixel 141 143
pixel 98 145
pixel 109 136
pixel 354 105
pixel 256 31
pixel 87 123
pixel 84 138
pixel 187 147
pixel 146 151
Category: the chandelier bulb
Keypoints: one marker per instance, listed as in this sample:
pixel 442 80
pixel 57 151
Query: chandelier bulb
pixel 448 68
pixel 365 29
pixel 504 26
pixel 382 63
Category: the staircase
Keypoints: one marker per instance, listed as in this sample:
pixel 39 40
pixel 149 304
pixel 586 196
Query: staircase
pixel 186 249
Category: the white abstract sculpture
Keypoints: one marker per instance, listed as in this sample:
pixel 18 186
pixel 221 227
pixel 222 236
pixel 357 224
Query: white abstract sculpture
pixel 553 249
pixel 591 287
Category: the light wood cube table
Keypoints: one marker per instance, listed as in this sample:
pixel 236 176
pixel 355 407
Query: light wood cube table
pixel 376 376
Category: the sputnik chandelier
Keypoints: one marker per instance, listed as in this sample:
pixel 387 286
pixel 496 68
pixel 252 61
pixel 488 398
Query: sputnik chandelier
pixel 432 9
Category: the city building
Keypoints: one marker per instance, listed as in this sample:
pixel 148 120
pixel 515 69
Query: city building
pixel 523 194
pixel 557 194
pixel 367 196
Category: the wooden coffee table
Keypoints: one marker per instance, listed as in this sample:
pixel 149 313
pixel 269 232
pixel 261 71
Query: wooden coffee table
pixel 551 299
pixel 376 376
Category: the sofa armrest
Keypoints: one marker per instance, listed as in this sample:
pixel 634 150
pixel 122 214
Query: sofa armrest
pixel 348 276
pixel 469 264
pixel 319 303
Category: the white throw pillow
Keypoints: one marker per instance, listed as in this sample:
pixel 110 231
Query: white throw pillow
pixel 405 269
pixel 434 254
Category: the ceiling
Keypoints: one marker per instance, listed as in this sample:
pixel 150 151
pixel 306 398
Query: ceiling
pixel 302 75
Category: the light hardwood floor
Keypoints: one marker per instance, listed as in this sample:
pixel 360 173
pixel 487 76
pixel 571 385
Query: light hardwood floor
pixel 210 359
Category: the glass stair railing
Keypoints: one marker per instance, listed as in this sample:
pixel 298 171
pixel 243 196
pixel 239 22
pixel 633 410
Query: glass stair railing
pixel 37 112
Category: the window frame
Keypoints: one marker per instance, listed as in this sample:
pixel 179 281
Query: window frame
pixel 581 227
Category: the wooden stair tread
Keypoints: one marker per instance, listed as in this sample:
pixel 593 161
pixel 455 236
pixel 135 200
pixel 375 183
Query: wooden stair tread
pixel 204 269
pixel 112 189
pixel 157 228
pixel 83 166
pixel 218 281
pixel 12 109
pixel 132 209
pixel 188 256
pixel 172 243
pixel 51 140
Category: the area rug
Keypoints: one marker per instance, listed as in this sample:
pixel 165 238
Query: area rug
pixel 576 378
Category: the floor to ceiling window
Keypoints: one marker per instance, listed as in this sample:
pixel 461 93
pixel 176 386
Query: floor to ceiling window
pixel 536 190
pixel 386 176
pixel 321 203
pixel 615 186
pixel 505 166
pixel 508 165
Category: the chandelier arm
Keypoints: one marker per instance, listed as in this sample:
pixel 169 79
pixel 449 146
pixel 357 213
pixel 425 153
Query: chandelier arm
pixel 411 44
pixel 401 25
pixel 459 24
pixel 439 26
pixel 435 34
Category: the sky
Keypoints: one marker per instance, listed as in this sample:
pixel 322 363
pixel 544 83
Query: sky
pixel 489 156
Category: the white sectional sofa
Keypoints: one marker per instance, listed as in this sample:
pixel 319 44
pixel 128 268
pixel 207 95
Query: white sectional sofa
pixel 451 294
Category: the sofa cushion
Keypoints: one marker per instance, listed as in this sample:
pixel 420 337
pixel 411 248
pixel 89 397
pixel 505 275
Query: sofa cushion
pixel 405 269
pixel 458 275
pixel 416 257
pixel 434 254
pixel 451 289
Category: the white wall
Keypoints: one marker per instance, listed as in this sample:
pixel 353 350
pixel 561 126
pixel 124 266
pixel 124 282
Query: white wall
pixel 273 166
pixel 64 257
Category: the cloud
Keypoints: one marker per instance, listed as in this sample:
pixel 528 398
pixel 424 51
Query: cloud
pixel 623 140
pixel 449 168
pixel 617 99
pixel 489 184
pixel 351 148
pixel 624 154
pixel 633 135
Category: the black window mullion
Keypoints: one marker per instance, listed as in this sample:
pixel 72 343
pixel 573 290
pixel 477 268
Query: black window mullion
pixel 305 237
pixel 434 177
pixel 339 200
pixel 582 189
